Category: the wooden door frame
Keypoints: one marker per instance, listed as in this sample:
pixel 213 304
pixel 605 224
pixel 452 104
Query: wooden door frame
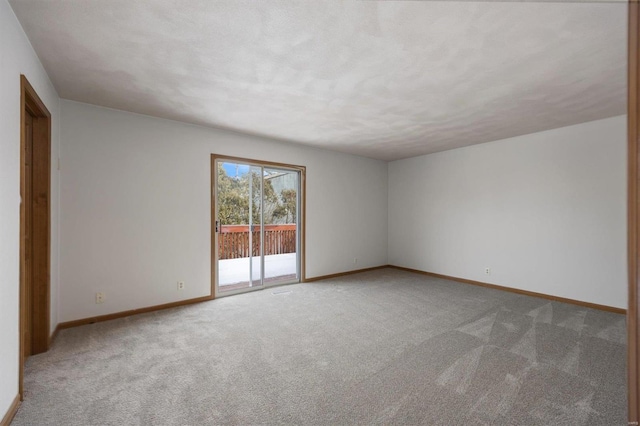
pixel 30 103
pixel 633 121
pixel 303 206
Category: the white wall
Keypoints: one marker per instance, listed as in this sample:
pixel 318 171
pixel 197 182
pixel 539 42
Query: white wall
pixel 136 207
pixel 546 212
pixel 17 57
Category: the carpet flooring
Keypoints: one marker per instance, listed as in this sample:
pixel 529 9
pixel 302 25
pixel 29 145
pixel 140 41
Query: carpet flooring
pixel 382 347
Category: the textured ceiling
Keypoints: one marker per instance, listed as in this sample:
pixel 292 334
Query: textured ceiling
pixel 383 79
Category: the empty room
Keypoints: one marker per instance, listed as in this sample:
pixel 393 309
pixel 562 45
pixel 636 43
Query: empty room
pixel 334 212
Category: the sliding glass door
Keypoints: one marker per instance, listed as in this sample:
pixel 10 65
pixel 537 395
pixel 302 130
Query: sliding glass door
pixel 281 225
pixel 257 236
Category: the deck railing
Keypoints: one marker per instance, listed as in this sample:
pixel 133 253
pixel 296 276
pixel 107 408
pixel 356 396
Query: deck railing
pixel 233 240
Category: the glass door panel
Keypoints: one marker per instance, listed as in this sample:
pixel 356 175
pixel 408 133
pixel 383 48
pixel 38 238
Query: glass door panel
pixel 280 225
pixel 233 236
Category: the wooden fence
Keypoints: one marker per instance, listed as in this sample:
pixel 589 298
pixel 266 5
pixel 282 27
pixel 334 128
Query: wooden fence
pixel 233 240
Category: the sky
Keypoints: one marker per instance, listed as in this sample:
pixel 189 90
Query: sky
pixel 234 169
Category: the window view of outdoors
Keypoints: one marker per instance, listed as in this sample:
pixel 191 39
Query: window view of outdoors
pixel 246 197
pixel 280 197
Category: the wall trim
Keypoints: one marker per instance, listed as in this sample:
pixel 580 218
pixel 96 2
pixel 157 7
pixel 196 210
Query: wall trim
pixel 342 274
pixel 122 314
pixel 516 290
pixel 11 413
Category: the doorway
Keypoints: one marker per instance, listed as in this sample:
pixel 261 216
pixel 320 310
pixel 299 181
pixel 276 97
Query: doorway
pixel 257 224
pixel 35 219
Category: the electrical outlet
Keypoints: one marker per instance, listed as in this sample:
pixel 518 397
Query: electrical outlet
pixel 487 271
pixel 355 260
pixel 99 298
pixel 180 285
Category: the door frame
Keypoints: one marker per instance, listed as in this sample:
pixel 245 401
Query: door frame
pixel 30 103
pixel 301 217
pixel 633 123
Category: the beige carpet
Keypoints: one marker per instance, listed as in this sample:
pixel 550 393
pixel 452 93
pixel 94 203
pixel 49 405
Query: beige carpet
pixel 383 347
